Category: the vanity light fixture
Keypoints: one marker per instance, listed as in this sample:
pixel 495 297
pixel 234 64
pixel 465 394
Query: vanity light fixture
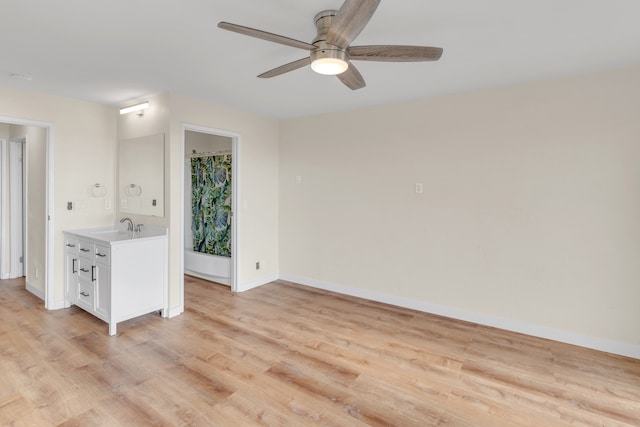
pixel 136 107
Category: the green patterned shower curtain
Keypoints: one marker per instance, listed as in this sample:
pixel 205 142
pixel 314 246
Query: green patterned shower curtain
pixel 211 204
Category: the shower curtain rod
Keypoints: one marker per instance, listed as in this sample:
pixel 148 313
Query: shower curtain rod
pixel 208 153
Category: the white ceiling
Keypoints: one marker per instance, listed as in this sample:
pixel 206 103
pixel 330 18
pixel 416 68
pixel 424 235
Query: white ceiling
pixel 112 51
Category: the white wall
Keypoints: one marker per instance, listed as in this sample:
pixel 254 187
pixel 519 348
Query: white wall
pixel 84 152
pixel 528 218
pixel 36 208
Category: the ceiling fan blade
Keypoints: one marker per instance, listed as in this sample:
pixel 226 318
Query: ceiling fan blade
pixel 352 78
pixel 395 53
pixel 352 17
pixel 247 31
pixel 286 68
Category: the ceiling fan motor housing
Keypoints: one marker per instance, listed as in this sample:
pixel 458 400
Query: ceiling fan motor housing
pixel 325 50
pixel 323 22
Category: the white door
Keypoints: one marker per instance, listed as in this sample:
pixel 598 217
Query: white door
pixel 16 207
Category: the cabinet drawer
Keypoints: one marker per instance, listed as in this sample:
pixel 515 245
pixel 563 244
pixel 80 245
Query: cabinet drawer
pixel 86 249
pixel 103 254
pixel 85 294
pixel 85 269
pixel 71 244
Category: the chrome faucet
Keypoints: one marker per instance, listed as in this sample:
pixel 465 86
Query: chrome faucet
pixel 130 225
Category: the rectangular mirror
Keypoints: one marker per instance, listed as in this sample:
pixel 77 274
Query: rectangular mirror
pixel 141 175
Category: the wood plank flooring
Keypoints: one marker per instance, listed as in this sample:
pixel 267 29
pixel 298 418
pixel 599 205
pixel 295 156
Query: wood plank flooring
pixel 285 354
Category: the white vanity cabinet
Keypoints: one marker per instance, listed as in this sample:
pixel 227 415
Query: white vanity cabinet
pixel 116 275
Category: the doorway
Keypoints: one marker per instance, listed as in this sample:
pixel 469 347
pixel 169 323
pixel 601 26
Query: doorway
pixel 26 229
pixel 214 153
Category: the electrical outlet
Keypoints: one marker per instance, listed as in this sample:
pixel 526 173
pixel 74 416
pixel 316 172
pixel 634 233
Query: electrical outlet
pixel 258 265
pixel 418 188
pixel 69 206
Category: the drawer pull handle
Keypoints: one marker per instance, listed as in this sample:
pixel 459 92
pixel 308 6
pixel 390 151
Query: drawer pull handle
pixel 83 294
pixel 69 245
pixel 101 255
pixel 73 266
pixel 93 273
pixel 84 270
pixel 84 250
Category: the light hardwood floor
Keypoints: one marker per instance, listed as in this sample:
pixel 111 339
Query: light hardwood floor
pixel 285 354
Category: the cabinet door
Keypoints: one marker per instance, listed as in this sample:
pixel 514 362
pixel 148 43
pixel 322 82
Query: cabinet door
pixel 103 290
pixel 71 276
pixel 86 296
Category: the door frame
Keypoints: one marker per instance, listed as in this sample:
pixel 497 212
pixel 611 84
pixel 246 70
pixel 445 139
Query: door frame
pixel 49 287
pixel 235 192
pixel 3 227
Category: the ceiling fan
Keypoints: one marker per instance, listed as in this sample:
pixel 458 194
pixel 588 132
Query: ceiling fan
pixel 331 52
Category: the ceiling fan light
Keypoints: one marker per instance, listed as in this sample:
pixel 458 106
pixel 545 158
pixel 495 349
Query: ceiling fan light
pixel 329 66
pixel 329 60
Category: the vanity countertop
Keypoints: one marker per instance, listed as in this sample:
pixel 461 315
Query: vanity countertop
pixel 111 235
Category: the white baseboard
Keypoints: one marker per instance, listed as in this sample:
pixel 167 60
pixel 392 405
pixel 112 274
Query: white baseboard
pixel 614 347
pixel 175 311
pixel 57 305
pixel 35 291
pixel 242 287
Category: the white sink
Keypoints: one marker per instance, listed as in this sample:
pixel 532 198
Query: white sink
pixel 111 235
pixel 115 233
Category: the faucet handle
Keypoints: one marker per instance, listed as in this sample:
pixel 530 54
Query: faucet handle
pixel 139 227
